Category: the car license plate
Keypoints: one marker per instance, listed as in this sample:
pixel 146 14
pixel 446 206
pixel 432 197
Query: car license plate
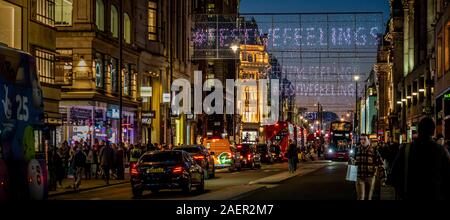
pixel 155 170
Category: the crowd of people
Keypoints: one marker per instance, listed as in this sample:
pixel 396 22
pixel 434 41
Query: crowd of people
pixel 419 170
pixel 102 160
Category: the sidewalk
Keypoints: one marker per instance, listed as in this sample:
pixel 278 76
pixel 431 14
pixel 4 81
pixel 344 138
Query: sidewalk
pixel 67 185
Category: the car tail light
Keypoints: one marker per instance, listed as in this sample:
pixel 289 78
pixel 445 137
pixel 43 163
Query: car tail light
pixel 239 146
pixel 199 157
pixel 177 170
pixel 134 170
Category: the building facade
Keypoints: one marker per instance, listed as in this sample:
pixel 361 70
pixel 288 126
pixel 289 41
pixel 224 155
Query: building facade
pixel 254 66
pixel 216 125
pixel 155 52
pixel 442 76
pixel 88 70
pixel 406 68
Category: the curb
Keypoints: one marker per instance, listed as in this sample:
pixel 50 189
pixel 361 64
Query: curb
pixel 85 189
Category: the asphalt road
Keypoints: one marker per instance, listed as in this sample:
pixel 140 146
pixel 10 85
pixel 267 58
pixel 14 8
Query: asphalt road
pixel 222 180
pixel 327 183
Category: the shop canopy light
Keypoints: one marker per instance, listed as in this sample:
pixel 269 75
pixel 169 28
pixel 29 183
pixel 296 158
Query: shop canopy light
pixel 421 90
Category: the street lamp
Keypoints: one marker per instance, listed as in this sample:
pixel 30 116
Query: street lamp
pixel 356 79
pixel 234 47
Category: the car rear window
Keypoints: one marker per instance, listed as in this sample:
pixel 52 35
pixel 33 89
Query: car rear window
pixel 165 156
pixel 190 149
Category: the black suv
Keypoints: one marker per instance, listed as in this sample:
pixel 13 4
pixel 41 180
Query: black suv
pixel 166 170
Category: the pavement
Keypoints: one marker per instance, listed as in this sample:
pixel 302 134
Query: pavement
pixel 67 185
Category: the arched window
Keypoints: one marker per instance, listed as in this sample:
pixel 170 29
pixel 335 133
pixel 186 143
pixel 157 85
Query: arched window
pixel 100 14
pixel 127 28
pixel 114 21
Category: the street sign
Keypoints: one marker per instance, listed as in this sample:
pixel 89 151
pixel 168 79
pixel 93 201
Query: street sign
pixel 447 96
pixel 166 97
pixel 149 114
pixel 146 91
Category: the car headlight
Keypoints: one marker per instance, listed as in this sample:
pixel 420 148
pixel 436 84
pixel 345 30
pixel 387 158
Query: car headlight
pixel 330 151
pixel 351 151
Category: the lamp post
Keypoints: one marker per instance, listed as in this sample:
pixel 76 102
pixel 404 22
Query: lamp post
pixel 235 48
pixel 356 79
pixel 120 70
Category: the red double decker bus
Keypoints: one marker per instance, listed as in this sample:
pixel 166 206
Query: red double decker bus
pixel 280 133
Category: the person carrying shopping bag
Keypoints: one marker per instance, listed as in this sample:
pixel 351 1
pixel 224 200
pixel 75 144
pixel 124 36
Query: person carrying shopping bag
pixel 369 165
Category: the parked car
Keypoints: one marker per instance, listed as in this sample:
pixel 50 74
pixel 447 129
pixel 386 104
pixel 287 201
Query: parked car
pixel 166 170
pixel 202 156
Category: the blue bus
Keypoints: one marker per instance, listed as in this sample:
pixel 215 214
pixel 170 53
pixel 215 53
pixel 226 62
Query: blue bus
pixel 23 172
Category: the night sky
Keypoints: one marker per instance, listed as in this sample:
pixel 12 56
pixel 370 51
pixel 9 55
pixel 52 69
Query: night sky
pixel 298 6
pixel 333 103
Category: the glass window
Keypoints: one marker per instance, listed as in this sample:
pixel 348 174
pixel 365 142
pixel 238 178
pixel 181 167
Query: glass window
pixel 114 22
pixel 164 156
pixel 63 66
pixel 127 28
pixel 63 12
pixel 45 12
pixel 127 80
pixel 45 66
pixel 211 8
pixel 447 50
pixel 152 20
pixel 99 71
pixel 10 25
pixel 439 58
pixel 100 15
pixel 114 67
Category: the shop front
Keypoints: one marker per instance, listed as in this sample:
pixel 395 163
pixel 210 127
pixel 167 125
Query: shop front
pixel 96 120
pixel 443 114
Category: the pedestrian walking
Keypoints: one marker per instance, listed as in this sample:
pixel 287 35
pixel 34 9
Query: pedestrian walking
pixel 421 170
pixel 89 161
pixel 120 169
pixel 106 158
pixel 370 166
pixel 79 162
pixel 291 155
